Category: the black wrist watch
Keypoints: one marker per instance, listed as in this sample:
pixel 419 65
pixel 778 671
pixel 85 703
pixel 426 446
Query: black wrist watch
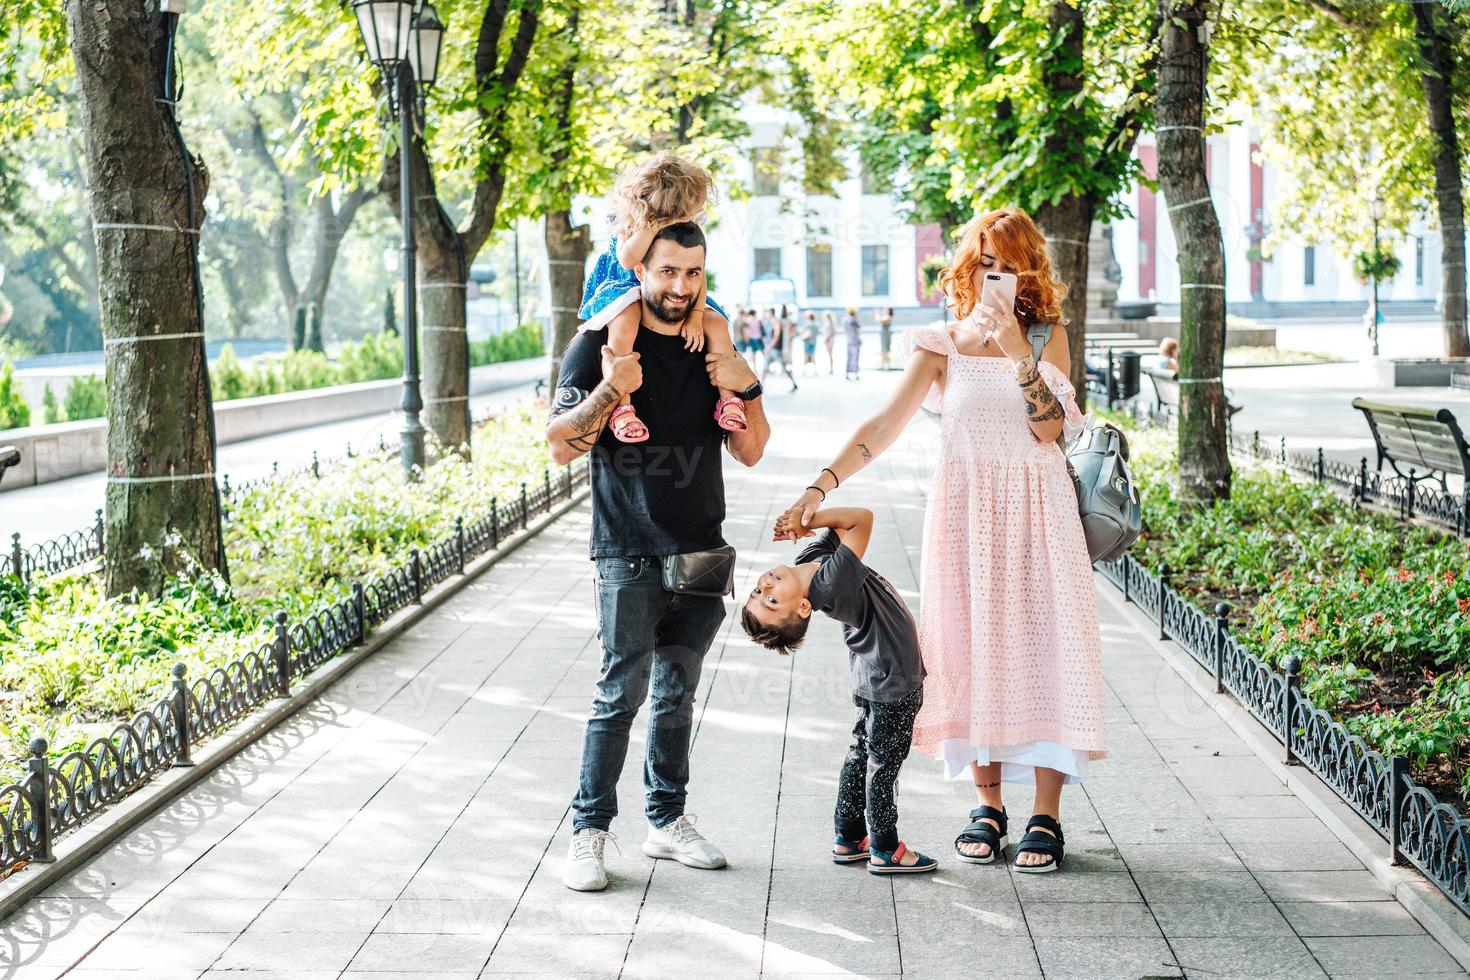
pixel 754 391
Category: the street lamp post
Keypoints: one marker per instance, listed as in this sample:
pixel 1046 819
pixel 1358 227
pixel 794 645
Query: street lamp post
pixel 1375 207
pixel 402 38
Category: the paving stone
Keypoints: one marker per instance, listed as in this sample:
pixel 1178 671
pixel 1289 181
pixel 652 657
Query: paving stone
pixel 790 949
pixel 419 954
pixel 1065 886
pixel 149 951
pixel 920 922
pixel 559 956
pixel 938 956
pixel 1203 887
pixel 1259 956
pixel 358 916
pixel 1213 856
pixel 258 949
pixel 1394 955
pixel 1386 918
pixel 1122 919
pixel 663 955
pixel 1285 854
pixel 1322 886
pixel 1198 920
pixel 1103 958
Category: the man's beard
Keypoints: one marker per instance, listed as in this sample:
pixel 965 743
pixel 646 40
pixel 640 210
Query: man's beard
pixel 656 306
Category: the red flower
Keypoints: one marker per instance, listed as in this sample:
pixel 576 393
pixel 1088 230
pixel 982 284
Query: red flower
pixel 1464 605
pixel 1449 578
pixel 1404 574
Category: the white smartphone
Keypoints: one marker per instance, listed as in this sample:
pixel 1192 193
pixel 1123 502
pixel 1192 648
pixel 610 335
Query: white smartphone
pixel 1001 285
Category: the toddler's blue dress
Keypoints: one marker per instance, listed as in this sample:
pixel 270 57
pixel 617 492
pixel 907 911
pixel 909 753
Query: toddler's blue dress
pixel 611 288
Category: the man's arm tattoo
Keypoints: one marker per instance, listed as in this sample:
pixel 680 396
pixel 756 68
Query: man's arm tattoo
pixel 585 414
pixel 867 454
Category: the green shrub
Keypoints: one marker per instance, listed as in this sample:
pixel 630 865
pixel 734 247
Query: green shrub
pixel 14 412
pixel 374 358
pixel 302 370
pixel 86 398
pixel 512 345
pixel 1370 605
pixel 74 662
pixel 228 378
pixel 51 412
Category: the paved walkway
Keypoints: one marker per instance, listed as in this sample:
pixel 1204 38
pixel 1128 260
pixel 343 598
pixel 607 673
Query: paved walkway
pixel 414 820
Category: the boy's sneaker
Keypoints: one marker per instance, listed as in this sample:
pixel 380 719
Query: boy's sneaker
pixel 680 841
pixel 584 871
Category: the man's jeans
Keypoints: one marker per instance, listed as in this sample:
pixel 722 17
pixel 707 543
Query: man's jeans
pixel 644 630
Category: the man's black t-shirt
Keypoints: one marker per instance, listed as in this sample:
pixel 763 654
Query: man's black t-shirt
pixel 665 496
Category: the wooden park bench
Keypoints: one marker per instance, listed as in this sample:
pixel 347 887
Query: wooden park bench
pixel 1426 441
pixel 1166 393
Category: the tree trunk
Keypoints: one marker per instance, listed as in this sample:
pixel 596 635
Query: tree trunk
pixel 1066 226
pixel 1204 462
pixel 1068 223
pixel 160 436
pixel 567 249
pixel 314 327
pixel 1433 32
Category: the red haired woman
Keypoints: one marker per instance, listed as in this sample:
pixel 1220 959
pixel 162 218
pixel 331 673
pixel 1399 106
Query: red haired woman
pixel 1008 621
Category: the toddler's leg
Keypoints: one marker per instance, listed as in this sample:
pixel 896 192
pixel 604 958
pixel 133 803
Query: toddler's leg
pixel 622 330
pixel 890 734
pixel 730 410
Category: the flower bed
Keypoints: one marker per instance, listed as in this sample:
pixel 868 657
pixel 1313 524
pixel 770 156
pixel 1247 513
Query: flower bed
pixel 1377 610
pixel 73 662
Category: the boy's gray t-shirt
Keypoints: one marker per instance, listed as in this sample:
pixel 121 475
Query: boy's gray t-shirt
pixel 882 639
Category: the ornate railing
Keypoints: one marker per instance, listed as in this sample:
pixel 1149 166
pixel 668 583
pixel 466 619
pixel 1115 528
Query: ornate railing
pixel 1428 834
pixel 55 796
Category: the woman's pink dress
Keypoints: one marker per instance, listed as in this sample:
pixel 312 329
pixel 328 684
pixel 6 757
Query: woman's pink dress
pixel 1008 619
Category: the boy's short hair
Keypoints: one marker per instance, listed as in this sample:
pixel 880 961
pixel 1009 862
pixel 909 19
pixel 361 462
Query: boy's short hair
pixel 783 637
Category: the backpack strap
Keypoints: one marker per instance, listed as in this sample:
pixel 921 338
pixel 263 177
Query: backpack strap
pixel 1039 334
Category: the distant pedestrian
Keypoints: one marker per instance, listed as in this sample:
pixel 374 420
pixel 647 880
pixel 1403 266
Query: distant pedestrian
pixel 1169 355
pixel 755 344
pixel 854 329
pixel 885 338
pixel 783 343
pixel 829 339
pixel 809 343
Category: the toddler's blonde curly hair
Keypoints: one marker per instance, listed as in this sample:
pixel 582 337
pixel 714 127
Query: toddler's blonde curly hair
pixel 663 187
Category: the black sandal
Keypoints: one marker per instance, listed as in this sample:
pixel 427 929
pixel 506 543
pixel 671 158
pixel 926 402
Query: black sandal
pixel 1040 842
pixel 977 831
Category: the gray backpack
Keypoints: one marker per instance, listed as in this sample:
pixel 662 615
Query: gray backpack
pixel 1107 500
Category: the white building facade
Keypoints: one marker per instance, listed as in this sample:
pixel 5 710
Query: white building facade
pixel 855 248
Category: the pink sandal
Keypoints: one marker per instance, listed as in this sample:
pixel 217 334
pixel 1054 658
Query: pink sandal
pixel 730 414
pixel 627 426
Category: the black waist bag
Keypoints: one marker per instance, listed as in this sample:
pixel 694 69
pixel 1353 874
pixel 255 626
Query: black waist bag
pixel 701 573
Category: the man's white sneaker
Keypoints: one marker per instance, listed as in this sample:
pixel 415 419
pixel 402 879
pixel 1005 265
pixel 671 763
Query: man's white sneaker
pixel 681 842
pixel 584 871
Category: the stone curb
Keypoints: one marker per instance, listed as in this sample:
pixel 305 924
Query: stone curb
pixel 95 835
pixel 1426 903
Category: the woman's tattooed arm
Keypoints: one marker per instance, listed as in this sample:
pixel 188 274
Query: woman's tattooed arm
pixel 1041 404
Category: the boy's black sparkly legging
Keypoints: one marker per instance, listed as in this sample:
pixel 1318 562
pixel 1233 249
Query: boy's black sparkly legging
pixel 865 789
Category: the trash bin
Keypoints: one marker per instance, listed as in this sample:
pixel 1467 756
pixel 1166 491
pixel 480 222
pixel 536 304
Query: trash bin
pixel 1129 377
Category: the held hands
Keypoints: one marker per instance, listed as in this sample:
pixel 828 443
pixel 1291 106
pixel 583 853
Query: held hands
pixel 795 522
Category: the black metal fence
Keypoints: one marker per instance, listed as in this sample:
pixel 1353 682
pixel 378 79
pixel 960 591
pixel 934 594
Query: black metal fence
pixel 1430 835
pixel 51 798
